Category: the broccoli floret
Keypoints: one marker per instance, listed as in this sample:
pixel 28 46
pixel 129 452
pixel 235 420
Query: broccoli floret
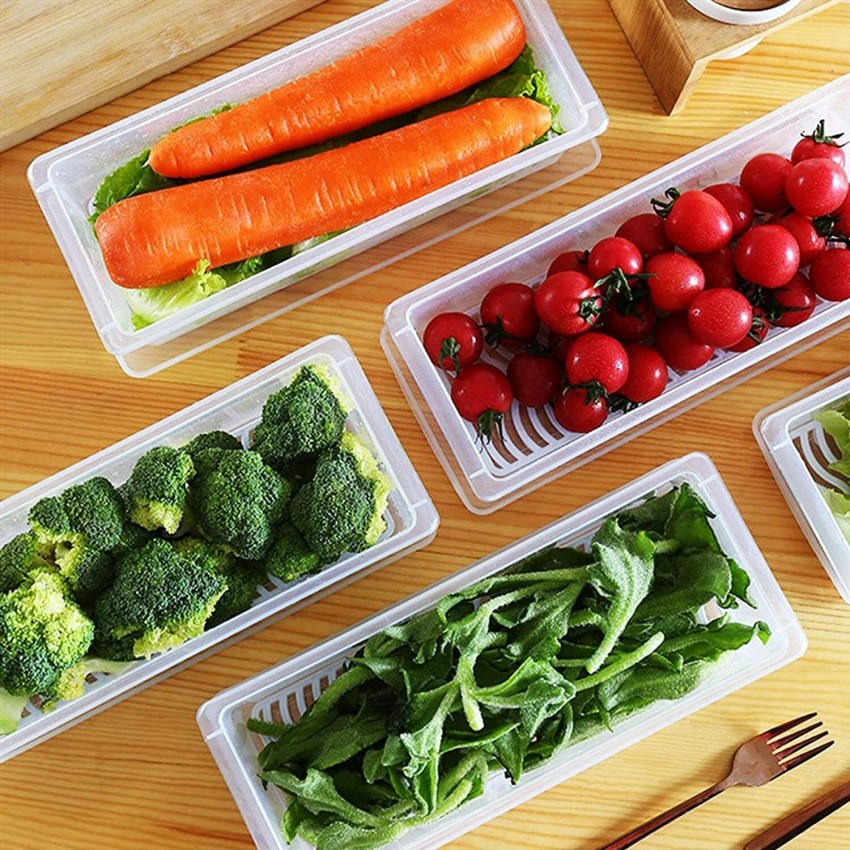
pixel 156 490
pixel 42 633
pixel 211 440
pixel 71 683
pixel 158 600
pixel 236 499
pixel 197 549
pixel 342 508
pixel 95 509
pixel 290 557
pixel 17 558
pixel 242 581
pixel 132 537
pixel 302 419
pixel 77 529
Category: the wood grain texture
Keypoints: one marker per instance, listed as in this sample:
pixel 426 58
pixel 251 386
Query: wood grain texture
pixel 675 43
pixel 62 59
pixel 139 775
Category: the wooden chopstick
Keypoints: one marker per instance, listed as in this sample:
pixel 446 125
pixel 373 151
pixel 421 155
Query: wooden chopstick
pixel 790 827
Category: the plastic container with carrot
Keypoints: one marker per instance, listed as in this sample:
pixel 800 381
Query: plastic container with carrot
pixel 169 315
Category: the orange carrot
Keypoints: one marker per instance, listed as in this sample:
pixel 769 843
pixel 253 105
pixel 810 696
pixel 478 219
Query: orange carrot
pixel 454 47
pixel 158 237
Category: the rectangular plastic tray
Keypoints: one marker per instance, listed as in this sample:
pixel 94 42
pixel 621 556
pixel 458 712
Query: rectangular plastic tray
pixel 411 520
pixel 535 448
pixel 799 452
pixel 64 181
pixel 283 692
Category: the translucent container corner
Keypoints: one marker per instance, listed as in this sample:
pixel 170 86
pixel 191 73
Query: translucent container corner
pixel 799 452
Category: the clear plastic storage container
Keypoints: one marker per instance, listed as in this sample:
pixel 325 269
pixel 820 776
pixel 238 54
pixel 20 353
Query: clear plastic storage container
pixel 799 452
pixel 64 181
pixel 411 520
pixel 535 448
pixel 283 692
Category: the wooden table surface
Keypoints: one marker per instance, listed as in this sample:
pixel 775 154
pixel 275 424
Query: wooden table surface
pixel 138 775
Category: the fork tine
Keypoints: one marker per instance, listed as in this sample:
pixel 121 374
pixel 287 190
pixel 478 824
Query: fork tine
pixel 782 754
pixel 784 727
pixel 781 742
pixel 804 757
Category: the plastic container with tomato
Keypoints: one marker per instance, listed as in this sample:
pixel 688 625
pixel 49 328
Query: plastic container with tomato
pixel 532 447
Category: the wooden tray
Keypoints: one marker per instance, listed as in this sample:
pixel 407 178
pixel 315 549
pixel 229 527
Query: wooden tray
pixel 61 59
pixel 674 42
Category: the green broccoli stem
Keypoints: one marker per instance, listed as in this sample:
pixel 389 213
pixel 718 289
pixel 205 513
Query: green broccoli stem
pixel 11 708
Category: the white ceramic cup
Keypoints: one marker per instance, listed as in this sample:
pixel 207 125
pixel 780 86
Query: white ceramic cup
pixel 727 15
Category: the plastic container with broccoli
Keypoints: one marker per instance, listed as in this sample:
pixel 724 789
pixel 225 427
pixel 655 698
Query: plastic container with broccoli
pixel 195 531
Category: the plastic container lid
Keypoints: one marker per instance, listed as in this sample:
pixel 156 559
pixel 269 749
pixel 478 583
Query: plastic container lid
pixel 535 448
pixel 799 452
pixel 411 520
pixel 284 691
pixel 64 181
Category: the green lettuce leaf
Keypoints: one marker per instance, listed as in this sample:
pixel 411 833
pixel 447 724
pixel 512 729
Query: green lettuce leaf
pixel 153 303
pixel 836 423
pixel 622 572
pixel 133 178
pixel 839 504
pixel 522 78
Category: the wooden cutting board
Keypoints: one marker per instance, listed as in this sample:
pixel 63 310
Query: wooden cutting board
pixel 60 59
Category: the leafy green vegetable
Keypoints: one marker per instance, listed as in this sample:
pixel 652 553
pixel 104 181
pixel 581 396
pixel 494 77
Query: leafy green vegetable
pixel 133 178
pixel 503 674
pixel 839 504
pixel 836 423
pixel 520 79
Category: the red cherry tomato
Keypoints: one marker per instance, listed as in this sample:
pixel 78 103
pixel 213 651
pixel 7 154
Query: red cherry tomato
pixel 647 232
pixel 793 303
pixel 842 226
pixel 535 378
pixel 718 268
pixel 676 345
pixel 631 321
pixel 818 145
pixel 647 374
pixel 597 358
pixel 737 203
pixel 830 274
pixel 698 223
pixel 508 314
pixel 758 331
pixel 569 261
pixel 720 317
pixel 482 394
pixel 558 348
pixel 453 341
pixel 611 253
pixel 803 230
pixel 567 303
pixel 767 255
pixel 677 281
pixel 576 412
pixel 763 179
pixel 816 186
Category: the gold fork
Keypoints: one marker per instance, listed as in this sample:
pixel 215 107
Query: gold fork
pixel 756 762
